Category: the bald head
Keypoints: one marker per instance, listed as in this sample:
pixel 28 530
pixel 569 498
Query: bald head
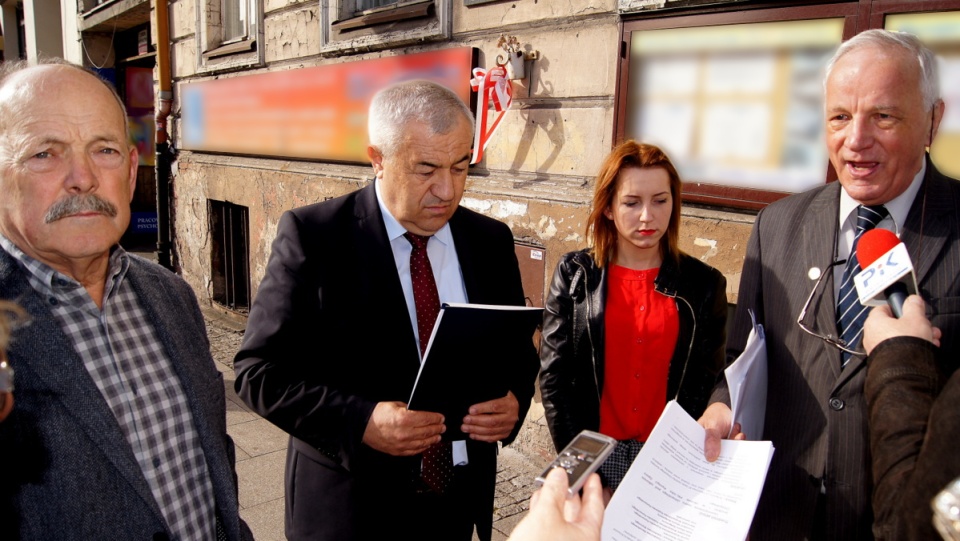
pixel 918 60
pixel 19 80
pixel 67 168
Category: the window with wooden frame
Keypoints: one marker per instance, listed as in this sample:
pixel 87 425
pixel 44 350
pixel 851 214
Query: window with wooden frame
pixel 727 92
pixel 229 31
pixel 735 99
pixel 361 25
pixel 939 29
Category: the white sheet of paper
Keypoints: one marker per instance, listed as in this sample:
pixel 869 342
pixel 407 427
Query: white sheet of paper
pixel 672 493
pixel 747 381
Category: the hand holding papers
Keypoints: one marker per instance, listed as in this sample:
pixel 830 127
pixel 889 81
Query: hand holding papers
pixel 464 361
pixel 672 492
pixel 747 381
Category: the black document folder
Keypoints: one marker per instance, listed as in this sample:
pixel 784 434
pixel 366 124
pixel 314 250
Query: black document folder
pixel 468 358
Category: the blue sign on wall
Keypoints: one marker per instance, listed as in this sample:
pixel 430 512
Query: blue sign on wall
pixel 143 222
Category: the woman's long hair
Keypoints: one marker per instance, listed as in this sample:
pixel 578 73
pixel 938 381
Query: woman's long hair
pixel 602 231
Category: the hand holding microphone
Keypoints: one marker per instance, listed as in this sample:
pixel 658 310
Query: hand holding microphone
pixel 881 325
pixel 887 273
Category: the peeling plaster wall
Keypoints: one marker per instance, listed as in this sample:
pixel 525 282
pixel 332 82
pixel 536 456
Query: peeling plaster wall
pixel 266 187
pixel 537 173
pixel 528 13
pixel 293 34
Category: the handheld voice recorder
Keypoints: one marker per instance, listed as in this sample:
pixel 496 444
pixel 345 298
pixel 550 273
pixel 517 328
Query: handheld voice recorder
pixel 580 458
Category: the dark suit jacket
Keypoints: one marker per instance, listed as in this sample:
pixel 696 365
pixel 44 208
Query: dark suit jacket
pixel 67 469
pixel 329 336
pixel 816 414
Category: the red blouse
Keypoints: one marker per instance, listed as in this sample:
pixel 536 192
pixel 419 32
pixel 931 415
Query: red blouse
pixel 641 331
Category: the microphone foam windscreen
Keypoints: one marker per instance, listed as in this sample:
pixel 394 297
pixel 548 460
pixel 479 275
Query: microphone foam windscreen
pixel 873 244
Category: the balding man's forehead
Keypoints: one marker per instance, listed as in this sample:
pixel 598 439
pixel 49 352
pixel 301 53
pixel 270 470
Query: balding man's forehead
pixel 29 85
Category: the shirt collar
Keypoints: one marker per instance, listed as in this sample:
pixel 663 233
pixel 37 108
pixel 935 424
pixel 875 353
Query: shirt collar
pixel 52 280
pixel 898 207
pixel 395 230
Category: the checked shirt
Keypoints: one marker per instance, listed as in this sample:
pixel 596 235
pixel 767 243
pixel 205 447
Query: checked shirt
pixel 127 362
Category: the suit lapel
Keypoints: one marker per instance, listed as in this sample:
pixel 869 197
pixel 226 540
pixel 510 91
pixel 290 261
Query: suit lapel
pixel 819 234
pixel 47 352
pixel 471 282
pixel 930 222
pixel 178 332
pixel 154 298
pixel 377 267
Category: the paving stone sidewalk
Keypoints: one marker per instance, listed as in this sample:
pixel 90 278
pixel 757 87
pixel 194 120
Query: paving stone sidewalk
pixel 262 447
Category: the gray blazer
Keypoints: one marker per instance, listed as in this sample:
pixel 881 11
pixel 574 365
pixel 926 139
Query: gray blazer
pixel 67 470
pixel 816 414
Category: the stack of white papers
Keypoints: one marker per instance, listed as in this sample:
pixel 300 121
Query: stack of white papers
pixel 672 493
pixel 747 382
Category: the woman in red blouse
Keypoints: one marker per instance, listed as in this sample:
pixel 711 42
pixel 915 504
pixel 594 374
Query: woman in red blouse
pixel 630 322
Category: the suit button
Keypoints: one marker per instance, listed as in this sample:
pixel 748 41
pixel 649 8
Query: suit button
pixel 836 404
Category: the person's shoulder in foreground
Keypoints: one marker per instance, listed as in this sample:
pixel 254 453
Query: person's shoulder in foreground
pixel 914 417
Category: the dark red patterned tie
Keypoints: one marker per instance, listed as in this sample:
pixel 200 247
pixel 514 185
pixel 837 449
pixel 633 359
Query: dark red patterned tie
pixel 425 295
pixel 437 468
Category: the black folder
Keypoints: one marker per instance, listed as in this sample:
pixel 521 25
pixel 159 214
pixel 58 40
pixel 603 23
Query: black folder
pixel 466 361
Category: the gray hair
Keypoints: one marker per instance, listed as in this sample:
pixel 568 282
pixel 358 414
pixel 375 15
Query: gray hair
pixel 412 101
pixel 10 68
pixel 907 43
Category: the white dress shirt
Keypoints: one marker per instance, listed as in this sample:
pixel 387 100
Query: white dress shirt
pixel 898 209
pixel 446 271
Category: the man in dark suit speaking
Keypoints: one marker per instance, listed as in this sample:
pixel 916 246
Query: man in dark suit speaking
pixel 883 109
pixel 336 333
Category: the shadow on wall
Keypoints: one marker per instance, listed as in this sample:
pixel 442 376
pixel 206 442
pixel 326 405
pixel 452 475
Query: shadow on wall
pixel 542 113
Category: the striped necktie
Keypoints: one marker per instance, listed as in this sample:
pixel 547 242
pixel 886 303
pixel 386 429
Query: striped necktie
pixel 850 313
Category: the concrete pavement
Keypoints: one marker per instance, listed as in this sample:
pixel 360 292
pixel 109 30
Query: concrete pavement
pixel 262 447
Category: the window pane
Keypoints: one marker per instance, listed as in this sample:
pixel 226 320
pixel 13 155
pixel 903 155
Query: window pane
pixel 370 4
pixel 234 19
pixel 940 32
pixel 736 105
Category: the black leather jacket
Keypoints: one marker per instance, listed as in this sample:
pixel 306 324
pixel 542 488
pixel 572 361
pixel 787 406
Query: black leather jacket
pixel 571 350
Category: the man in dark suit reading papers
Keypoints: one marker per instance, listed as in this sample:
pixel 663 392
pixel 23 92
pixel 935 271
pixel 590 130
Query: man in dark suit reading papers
pixel 337 331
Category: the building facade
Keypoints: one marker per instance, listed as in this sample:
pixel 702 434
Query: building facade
pixel 263 92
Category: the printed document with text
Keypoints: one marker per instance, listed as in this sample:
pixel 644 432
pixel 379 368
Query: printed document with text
pixel 671 492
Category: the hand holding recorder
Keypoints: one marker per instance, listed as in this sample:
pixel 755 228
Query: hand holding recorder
pixel 580 458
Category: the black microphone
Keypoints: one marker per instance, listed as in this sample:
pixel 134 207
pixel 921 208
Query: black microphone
pixel 887 273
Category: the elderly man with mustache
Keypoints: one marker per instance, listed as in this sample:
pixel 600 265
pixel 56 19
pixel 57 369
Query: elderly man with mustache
pixel 118 431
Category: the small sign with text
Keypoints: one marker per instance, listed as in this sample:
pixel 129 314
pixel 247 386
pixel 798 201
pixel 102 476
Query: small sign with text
pixel 888 269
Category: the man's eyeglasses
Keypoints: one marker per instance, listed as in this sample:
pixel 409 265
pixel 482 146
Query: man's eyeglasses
pixel 831 339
